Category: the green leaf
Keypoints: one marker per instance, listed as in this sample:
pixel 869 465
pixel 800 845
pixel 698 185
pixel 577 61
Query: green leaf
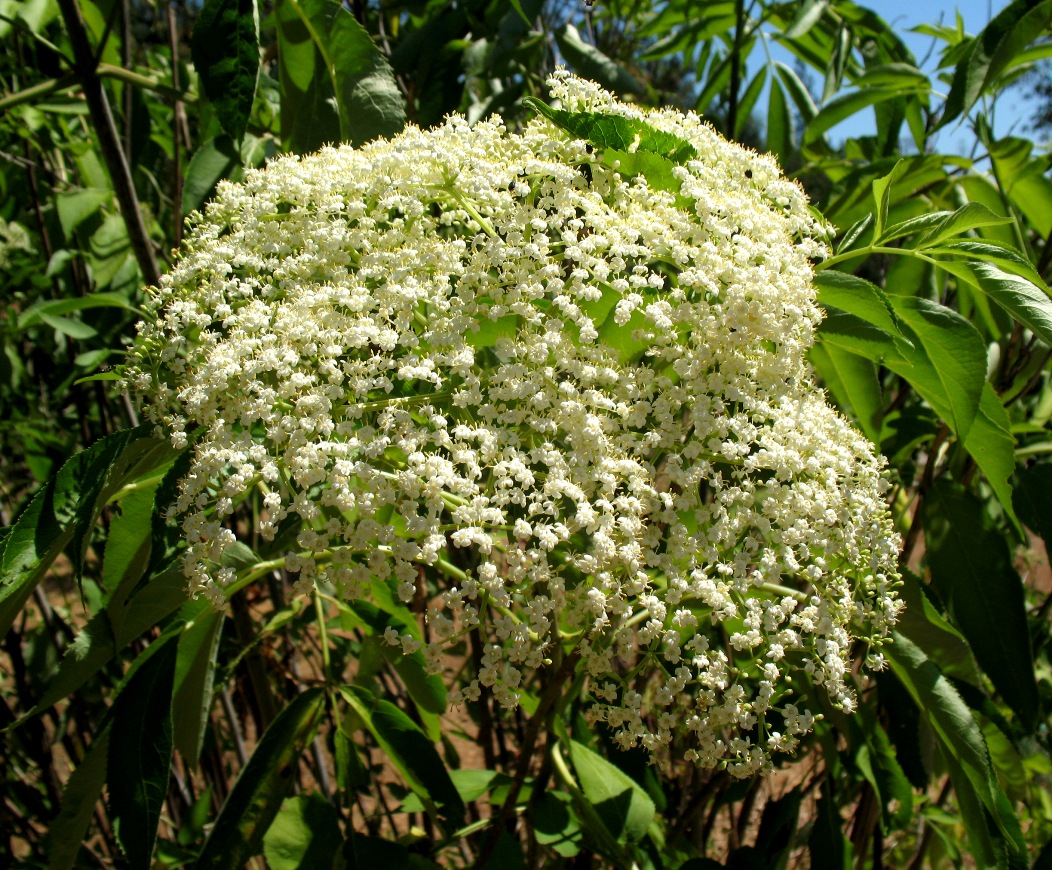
pixel 64 512
pixel 808 14
pixel 194 678
pixel 76 329
pixel 77 303
pixel 370 102
pixel 853 382
pixel 947 361
pixel 413 755
pixel 853 234
pixel 797 91
pixel 489 331
pixel 309 115
pixel 898 74
pixel 991 444
pixel 428 691
pixel 590 63
pixel 958 733
pixel 225 51
pixel 624 808
pixel 912 225
pixel 970 216
pixel 328 55
pixel 304 835
pixel 1023 178
pixel 128 544
pixel 882 188
pixel 940 641
pixel 946 365
pixel 96 644
pixel 76 206
pixel 473 784
pixel 470 785
pixel 215 159
pixel 986 845
pixel 876 758
pixel 780 134
pixel 140 754
pixel 989 253
pixel 35 14
pixel 1025 301
pixel 827 845
pixel 859 297
pixel 971 566
pixel 256 797
pixel 83 789
pixel 155 598
pixel 851 333
pixel 842 107
pixel 555 824
pixel 1011 30
pixel 617 132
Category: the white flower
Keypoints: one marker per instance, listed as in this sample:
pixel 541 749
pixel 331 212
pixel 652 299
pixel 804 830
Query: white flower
pixel 469 342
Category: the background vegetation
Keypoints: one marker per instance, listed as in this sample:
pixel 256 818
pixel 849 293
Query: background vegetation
pixel 143 729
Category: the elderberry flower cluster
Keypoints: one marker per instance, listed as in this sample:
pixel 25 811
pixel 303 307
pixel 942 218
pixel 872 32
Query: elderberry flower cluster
pixel 569 408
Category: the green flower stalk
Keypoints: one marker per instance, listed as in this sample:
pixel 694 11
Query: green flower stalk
pixel 506 352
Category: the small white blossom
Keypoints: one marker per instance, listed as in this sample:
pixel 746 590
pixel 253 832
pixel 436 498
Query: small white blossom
pixel 469 347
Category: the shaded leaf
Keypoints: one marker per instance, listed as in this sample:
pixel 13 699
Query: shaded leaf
pixel 194 678
pixel 1034 499
pixel 797 91
pixel 368 853
pixel 1024 179
pixel 992 445
pixel 140 754
pixel 370 103
pixel 923 623
pixel 947 362
pixel 855 335
pixel 590 63
pixel 555 824
pixel 304 834
pixel 76 206
pixel 214 159
pixel 853 382
pixel 329 61
pixel 256 797
pixel 780 133
pixel 83 789
pixel 225 51
pixel 410 751
pixel 624 808
pixel 971 567
pixel 64 511
pixel 842 107
pixel 959 736
pixel 827 845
